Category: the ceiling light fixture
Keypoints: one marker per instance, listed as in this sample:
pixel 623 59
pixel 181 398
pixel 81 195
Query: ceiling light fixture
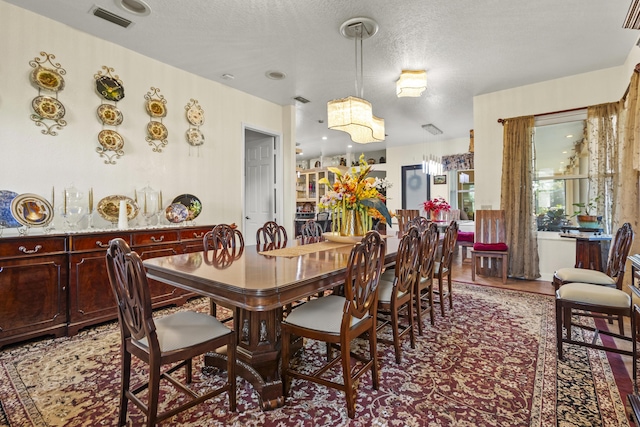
pixel 411 83
pixel 354 115
pixel 136 7
pixel 432 129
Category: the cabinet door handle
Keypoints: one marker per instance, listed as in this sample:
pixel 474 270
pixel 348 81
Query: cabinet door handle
pixel 102 245
pixel 29 251
pixel 153 239
pixel 198 236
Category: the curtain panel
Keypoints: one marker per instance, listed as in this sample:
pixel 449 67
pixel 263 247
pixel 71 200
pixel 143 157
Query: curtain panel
pixel 517 197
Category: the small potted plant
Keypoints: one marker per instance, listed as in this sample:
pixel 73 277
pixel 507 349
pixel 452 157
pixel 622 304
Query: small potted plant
pixel 586 213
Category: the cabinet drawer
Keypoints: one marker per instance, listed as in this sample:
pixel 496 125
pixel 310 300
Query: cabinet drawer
pixel 95 241
pixel 196 233
pixel 31 246
pixel 155 237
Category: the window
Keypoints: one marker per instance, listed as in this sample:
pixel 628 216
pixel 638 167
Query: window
pixel 561 164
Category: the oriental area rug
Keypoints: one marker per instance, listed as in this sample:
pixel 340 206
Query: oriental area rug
pixel 489 362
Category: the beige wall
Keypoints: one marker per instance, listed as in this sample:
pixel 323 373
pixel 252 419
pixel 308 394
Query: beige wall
pixel 33 162
pixel 576 91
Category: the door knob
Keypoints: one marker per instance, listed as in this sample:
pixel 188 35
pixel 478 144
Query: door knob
pixel 246 217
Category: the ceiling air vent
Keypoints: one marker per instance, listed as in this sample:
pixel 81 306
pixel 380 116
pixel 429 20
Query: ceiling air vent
pixel 432 129
pixel 632 20
pixel 301 99
pixel 111 17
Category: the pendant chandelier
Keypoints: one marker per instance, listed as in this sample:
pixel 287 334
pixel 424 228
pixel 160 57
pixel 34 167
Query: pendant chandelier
pixel 354 115
pixel 411 83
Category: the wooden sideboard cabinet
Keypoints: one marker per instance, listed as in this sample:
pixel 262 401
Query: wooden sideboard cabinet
pixel 58 284
pixel 33 287
pixel 91 299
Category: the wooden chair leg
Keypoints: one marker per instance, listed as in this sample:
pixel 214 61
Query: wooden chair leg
pixel 559 318
pixel 473 266
pixel 125 383
pixel 505 264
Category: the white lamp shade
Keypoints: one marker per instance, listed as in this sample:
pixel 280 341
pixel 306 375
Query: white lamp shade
pixel 354 116
pixel 411 83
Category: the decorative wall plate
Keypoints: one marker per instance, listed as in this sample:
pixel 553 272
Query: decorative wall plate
pixel 110 115
pixel 109 88
pixel 48 108
pixel 109 207
pixel 156 108
pixel 195 115
pixel 110 140
pixel 195 137
pixel 176 213
pixel 157 130
pixel 6 218
pixel 48 79
pixel 31 210
pixel 193 204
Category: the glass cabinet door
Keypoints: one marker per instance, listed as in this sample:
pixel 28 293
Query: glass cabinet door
pixel 466 199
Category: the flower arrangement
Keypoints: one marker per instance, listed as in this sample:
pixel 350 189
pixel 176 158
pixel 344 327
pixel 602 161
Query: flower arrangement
pixel 354 200
pixel 382 185
pixel 436 205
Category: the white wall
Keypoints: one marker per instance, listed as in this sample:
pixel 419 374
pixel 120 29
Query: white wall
pixel 33 162
pixel 412 155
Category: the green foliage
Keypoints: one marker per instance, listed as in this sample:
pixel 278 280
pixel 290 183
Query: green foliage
pixel 588 208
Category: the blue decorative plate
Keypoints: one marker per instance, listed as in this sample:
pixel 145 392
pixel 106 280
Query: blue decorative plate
pixel 6 197
pixel 176 213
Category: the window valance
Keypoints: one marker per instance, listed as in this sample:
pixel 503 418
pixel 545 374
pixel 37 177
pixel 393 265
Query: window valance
pixel 458 162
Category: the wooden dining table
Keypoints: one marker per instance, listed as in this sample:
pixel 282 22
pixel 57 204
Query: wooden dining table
pixel 257 284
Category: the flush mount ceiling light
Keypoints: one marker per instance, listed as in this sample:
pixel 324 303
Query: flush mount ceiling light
pixel 353 114
pixel 411 83
pixel 137 7
pixel 275 75
pixel 432 129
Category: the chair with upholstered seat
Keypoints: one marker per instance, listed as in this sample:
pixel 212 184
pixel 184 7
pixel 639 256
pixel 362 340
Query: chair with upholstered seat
pixel 614 273
pixel 311 232
pixel 226 244
pixel 443 267
pixel 613 276
pixel 398 294
pixel 174 339
pixel 429 241
pixel 271 236
pixel 403 217
pixel 490 253
pixel 338 320
pixel 586 299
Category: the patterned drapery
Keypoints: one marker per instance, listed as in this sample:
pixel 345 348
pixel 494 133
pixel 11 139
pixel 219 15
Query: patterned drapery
pixel 458 162
pixel 517 197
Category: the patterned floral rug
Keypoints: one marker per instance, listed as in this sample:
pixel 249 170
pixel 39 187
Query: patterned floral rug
pixel 492 362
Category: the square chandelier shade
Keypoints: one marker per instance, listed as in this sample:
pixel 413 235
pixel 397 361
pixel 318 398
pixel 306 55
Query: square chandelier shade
pixel 354 116
pixel 411 83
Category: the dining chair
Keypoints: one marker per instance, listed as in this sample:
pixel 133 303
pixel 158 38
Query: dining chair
pixel 170 340
pixel 587 299
pixel 311 232
pixel 612 277
pixel 403 216
pixel 614 273
pixel 490 250
pixel 429 241
pixel 338 320
pixel 324 219
pixel 443 266
pixel 420 222
pixel 271 236
pixel 225 244
pixel 397 295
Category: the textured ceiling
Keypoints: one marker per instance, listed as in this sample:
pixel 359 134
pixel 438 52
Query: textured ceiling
pixel 467 47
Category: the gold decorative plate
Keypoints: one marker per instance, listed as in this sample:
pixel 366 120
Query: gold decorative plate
pixel 109 207
pixel 156 108
pixel 48 79
pixel 195 115
pixel 110 140
pixel 157 131
pixel 195 137
pixel 109 115
pixel 48 108
pixel 31 210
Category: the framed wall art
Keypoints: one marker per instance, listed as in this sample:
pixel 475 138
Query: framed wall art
pixel 439 179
